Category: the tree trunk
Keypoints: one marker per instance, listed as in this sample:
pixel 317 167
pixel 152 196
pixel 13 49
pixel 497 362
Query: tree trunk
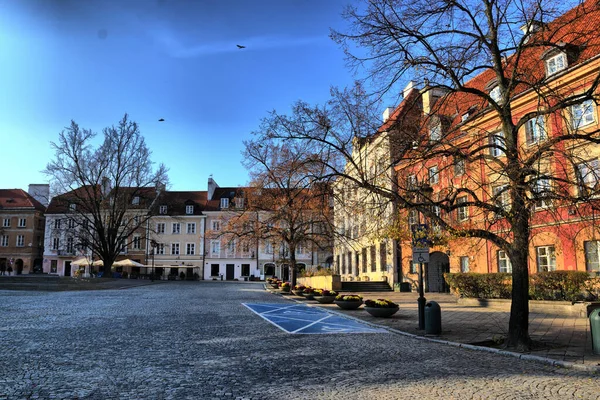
pixel 518 325
pixel 107 270
pixel 293 268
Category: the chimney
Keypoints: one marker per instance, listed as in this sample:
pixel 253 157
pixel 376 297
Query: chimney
pixel 530 28
pixel 430 96
pixel 212 185
pixel 410 86
pixel 40 192
pixel 387 113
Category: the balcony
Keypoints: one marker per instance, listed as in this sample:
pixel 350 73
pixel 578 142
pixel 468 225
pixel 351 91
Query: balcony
pixel 66 253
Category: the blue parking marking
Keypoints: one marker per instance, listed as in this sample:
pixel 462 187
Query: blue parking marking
pixel 302 319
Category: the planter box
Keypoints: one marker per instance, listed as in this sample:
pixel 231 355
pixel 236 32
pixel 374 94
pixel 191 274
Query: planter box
pixel 324 299
pixel 382 312
pixel 329 282
pixel 348 305
pixel 566 308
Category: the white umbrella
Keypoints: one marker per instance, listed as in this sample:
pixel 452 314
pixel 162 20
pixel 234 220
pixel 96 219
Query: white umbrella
pixel 98 263
pixel 81 262
pixel 127 263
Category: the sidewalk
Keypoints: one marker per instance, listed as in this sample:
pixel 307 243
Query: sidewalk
pixel 562 338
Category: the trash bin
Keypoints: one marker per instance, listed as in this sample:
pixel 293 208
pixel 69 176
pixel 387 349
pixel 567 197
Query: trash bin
pixel 595 329
pixel 433 318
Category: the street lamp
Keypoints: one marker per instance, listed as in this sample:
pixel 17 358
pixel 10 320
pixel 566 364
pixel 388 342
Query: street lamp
pixel 153 244
pixel 421 244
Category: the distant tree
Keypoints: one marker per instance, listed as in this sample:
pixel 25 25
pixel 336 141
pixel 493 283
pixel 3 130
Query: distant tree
pixel 283 205
pixel 108 191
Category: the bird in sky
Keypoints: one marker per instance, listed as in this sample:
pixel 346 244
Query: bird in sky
pixel 240 46
pixel 161 120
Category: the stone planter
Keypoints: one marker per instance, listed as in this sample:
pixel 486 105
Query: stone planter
pixel 308 296
pixel 348 305
pixel 324 299
pixel 285 289
pixel 298 292
pixel 382 312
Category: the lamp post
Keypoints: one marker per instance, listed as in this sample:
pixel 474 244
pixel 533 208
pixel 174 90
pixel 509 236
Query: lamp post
pixel 153 244
pixel 421 245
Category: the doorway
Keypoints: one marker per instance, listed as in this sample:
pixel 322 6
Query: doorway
pixel 229 272
pixel 67 268
pixel 439 263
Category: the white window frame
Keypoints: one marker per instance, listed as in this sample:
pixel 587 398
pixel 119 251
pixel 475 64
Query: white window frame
pixel 464 264
pixel 22 223
pixel 162 209
pixel 460 166
pixel 592 247
pixel 160 227
pixel 588 176
pixel 55 243
pixel 502 195
pixel 215 248
pixel 435 132
pixel 535 130
pixel 462 212
pixel 496 94
pixel 57 223
pixel 545 258
pixel 71 223
pixel 239 202
pixel 224 202
pixel 70 245
pixel 160 249
pixel 4 241
pixel 20 241
pixel 299 248
pixel 137 242
pixel 542 188
pixel 190 249
pixel 411 182
pixel 191 228
pixel 504 264
pixel 175 249
pixel 583 114
pixel 433 174
pixel 497 139
pixel 556 63
pixel 268 248
pixel 6 223
pixel 413 217
pixel 231 247
pixel 216 225
pixel 189 210
pixel 176 228
pixel 136 200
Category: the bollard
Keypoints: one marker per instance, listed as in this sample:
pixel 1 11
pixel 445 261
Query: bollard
pixel 595 329
pixel 433 318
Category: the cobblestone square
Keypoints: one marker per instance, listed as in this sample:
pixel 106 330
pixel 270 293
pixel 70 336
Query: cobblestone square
pixel 195 340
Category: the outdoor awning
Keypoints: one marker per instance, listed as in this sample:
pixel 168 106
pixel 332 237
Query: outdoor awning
pixel 81 262
pixel 127 263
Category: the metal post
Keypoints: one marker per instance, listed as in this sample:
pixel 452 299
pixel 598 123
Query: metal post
pixel 152 273
pixel 421 300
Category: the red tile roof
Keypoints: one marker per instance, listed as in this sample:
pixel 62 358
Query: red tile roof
pixel 18 199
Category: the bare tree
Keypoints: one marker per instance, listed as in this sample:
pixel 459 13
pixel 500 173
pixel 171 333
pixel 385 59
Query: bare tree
pixel 108 191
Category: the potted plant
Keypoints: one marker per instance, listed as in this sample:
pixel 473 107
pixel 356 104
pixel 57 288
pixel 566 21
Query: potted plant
pixel 348 301
pixel 308 293
pixel 381 307
pixel 298 289
pixel 325 296
pixel 285 287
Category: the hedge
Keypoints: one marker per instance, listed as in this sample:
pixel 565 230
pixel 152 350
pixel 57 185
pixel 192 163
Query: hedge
pixel 552 285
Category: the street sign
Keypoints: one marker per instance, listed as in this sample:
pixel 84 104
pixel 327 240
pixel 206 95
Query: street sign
pixel 420 254
pixel 420 235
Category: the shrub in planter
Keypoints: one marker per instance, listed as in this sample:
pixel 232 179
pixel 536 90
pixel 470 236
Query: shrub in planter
pixel 485 286
pixel 298 290
pixel 348 301
pixel 325 296
pixel 285 287
pixel 381 307
pixel 308 293
pixel 558 285
pixel 380 303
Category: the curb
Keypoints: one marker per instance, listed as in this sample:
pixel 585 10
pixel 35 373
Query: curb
pixel 506 353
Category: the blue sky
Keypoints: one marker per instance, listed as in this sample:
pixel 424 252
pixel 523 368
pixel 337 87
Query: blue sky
pixel 94 60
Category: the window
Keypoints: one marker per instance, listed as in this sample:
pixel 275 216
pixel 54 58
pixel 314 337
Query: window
pixel 433 175
pixel 189 209
pixel 231 247
pixel 191 228
pixel 176 228
pixel 216 225
pixel 464 264
pixel 245 247
pixel 72 206
pixel 215 248
pixel 299 248
pixel 20 240
pixel 535 130
pixel 4 241
pixel 414 267
pixel 224 202
pixel 459 166
pixel 136 220
pixel 497 144
pixel 583 114
pixel 137 242
pixel 239 203
pixel 160 227
pixel 588 174
pixel 413 217
pixel 175 248
pixel 6 223
pixel 364 260
pixel 70 245
pixel 411 182
pixel 269 248
pixel 546 258
pixel 55 243
pixel 462 211
pixel 383 256
pixel 435 133
pixel 373 259
pixel 245 269
pixel 501 196
pixel 162 209
pixel 542 190
pixel 214 269
pixel 504 264
pixel 190 249
pixel 136 200
pixel 22 222
pixel 160 248
pixel 555 64
pixel 592 255
pixel 70 223
pixel 496 94
pixel 57 224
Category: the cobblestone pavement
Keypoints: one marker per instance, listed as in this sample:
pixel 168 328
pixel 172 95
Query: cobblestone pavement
pixel 194 340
